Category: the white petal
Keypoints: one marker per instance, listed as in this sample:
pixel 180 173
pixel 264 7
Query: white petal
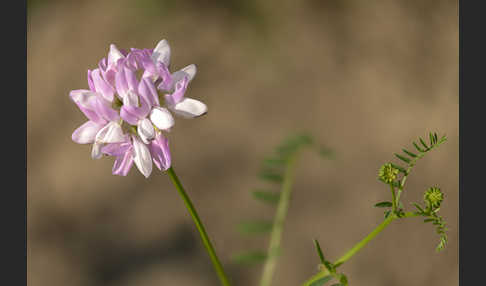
pixel 114 54
pixel 161 118
pixel 142 157
pixel 190 108
pixel 86 133
pixel 111 133
pixel 189 71
pixel 130 99
pixel 82 97
pixel 96 151
pixel 162 53
pixel 145 130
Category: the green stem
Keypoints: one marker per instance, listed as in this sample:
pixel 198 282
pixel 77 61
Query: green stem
pixel 200 227
pixel 357 247
pixel 276 235
pixel 394 201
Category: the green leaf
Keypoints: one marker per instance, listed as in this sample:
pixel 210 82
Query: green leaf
pixel 423 143
pixel 413 155
pixel 435 138
pixel 250 257
pixel 383 205
pixel 406 160
pixel 431 137
pixel 254 227
pixel 266 196
pixel 343 279
pixel 271 176
pixel 429 219
pixel 418 148
pixel 322 281
pixel 418 207
pixel 387 213
pixel 274 161
pixel 338 284
pixel 319 251
pixel 401 169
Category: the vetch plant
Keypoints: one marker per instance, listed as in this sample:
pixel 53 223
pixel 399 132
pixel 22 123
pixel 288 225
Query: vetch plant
pixel 394 176
pixel 130 103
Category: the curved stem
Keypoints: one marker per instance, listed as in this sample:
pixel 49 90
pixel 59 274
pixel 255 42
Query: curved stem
pixel 357 247
pixel 276 235
pixel 200 227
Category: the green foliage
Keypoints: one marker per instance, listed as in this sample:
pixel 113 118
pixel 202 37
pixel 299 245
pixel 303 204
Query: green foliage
pixel 329 266
pixel 322 281
pixel 250 257
pixel 383 205
pixel 319 251
pixel 388 173
pixel 268 197
pixel 433 197
pixel 276 171
pixel 255 227
pixel 410 158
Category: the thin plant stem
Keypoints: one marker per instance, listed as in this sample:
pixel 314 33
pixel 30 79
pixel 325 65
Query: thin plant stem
pixel 276 235
pixel 394 201
pixel 357 247
pixel 200 227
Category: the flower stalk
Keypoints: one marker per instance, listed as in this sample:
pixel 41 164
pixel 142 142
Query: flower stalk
pixel 200 227
pixel 357 247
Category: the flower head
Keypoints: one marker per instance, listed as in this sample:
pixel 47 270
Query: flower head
pixel 387 173
pixel 433 197
pixel 125 116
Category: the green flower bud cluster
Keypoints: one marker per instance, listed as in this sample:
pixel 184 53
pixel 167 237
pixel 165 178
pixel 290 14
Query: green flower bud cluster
pixel 433 197
pixel 388 173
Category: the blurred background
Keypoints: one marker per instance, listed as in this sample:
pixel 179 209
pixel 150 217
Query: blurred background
pixel 366 78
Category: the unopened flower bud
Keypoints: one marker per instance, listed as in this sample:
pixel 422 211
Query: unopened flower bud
pixel 387 173
pixel 433 197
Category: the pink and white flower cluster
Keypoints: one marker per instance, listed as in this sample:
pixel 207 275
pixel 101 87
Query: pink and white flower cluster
pixel 129 104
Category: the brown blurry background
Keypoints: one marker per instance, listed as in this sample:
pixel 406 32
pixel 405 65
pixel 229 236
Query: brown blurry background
pixel 366 78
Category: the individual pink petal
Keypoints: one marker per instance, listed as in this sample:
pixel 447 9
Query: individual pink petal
pixel 127 114
pixel 114 55
pixel 178 94
pixel 116 149
pixel 132 114
pixel 102 86
pixel 147 90
pixel 131 78
pixel 85 100
pixel 188 71
pixel 142 157
pixel 96 151
pixel 121 83
pixel 166 79
pixel 90 82
pixel 161 53
pixel 110 133
pixel 86 133
pixel 123 163
pixel 159 149
pixel 105 111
